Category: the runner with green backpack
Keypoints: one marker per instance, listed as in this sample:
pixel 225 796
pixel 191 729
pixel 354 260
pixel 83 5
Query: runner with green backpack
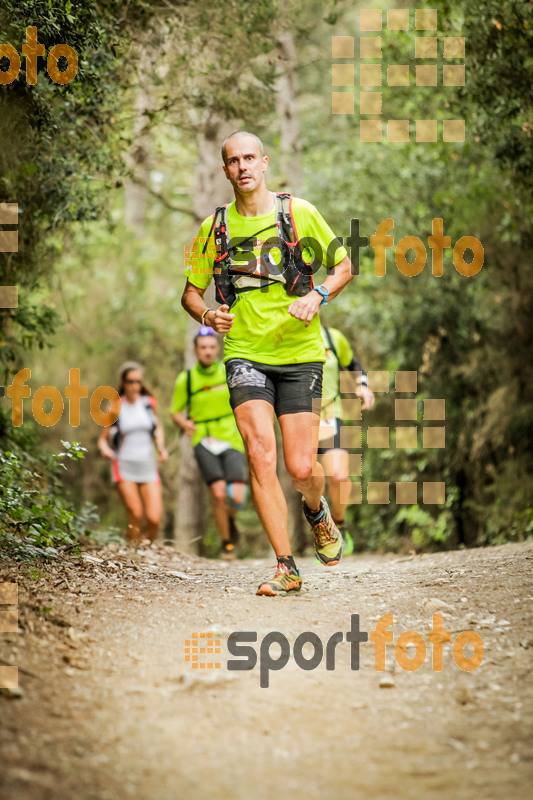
pixel 203 393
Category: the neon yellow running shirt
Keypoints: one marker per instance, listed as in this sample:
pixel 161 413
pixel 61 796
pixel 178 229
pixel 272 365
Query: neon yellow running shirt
pixel 263 330
pixel 208 404
pixel 332 367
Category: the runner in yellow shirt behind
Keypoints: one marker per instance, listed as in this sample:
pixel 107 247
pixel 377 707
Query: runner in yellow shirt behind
pixel 334 458
pixel 218 447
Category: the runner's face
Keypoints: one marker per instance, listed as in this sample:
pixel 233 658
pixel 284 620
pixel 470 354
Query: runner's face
pixel 245 167
pixel 132 384
pixel 206 350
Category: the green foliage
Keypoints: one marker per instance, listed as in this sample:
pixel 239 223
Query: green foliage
pixel 58 146
pixel 35 519
pixel 468 338
pixel 423 527
pixel 499 38
pixel 102 536
pixel 31 324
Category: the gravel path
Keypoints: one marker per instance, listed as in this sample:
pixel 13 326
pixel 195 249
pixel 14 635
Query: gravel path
pixel 109 708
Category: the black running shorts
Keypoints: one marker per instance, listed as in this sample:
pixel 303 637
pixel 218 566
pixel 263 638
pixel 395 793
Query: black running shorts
pixel 290 388
pixel 229 466
pixel 334 443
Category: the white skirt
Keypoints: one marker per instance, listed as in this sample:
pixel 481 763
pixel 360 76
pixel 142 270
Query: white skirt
pixel 137 471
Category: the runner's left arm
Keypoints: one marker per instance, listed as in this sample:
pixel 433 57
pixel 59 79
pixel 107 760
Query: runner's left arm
pixel 159 437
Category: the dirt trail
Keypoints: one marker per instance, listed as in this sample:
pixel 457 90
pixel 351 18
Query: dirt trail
pixel 111 710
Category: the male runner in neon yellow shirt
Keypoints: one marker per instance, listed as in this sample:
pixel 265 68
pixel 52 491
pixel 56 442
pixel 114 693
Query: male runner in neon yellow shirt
pixel 333 456
pixel 218 447
pixel 273 349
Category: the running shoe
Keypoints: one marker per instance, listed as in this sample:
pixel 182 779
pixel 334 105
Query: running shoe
pixel 284 581
pixel 328 538
pixel 228 551
pixel 234 532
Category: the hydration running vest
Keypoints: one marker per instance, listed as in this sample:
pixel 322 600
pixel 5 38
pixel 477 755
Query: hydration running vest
pixel 204 388
pixel 115 434
pixel 297 272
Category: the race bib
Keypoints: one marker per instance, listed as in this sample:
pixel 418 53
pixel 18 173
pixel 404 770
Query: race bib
pixel 327 429
pixel 214 445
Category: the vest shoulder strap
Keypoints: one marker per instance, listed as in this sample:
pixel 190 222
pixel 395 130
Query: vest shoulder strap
pixel 149 403
pixel 220 226
pixel 284 211
pixel 220 223
pixel 331 345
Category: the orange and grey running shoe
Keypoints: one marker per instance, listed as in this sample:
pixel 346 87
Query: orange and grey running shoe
pixel 287 579
pixel 328 538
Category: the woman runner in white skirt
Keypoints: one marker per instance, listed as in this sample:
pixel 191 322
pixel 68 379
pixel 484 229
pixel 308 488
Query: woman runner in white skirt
pixel 134 466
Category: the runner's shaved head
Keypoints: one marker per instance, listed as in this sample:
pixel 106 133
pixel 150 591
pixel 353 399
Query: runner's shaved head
pixel 258 142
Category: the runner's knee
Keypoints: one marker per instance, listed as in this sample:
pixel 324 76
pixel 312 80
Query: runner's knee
pixel 261 456
pixel 336 467
pixel 218 491
pixel 301 471
pixel 153 517
pixel 337 480
pixel 237 493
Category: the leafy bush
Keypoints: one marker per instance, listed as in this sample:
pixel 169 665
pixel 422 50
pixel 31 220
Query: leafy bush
pixel 35 519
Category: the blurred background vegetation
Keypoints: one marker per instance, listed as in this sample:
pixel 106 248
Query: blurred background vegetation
pixel 114 172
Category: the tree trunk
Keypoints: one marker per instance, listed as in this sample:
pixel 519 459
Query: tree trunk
pixel 136 187
pixel 211 189
pixel 287 110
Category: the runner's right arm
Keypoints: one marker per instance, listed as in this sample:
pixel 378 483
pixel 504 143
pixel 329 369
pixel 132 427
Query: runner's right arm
pixel 193 302
pixel 178 406
pixel 103 446
pixel 199 273
pixel 187 425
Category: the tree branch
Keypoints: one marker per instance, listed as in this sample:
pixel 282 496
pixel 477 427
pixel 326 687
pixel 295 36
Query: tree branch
pixel 166 202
